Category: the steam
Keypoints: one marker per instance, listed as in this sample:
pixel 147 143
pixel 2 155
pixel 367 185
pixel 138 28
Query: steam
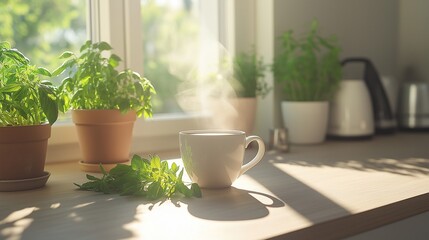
pixel 207 88
pixel 210 96
pixel 206 70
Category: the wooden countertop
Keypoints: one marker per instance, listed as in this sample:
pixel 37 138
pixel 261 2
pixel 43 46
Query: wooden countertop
pixel 328 191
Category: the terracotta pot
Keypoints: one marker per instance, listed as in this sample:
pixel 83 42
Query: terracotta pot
pixel 246 110
pixel 104 135
pixel 23 151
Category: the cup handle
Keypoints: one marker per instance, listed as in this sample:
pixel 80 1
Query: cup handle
pixel 259 154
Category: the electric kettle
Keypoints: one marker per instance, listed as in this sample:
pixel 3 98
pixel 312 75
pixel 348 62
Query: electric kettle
pixel 351 113
pixel 361 107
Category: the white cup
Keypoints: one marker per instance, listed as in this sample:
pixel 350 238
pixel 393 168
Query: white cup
pixel 214 158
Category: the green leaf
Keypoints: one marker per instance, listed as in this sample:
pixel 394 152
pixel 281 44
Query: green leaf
pixel 174 168
pixel 66 54
pixel 5 45
pixel 120 170
pixel 139 88
pixel 85 46
pixel 196 190
pixel 21 94
pixel 181 187
pixel 43 71
pixel 84 81
pixel 102 169
pixel 48 103
pixel 180 175
pixel 136 162
pixel 23 112
pixel 155 190
pixel 46 82
pixel 10 88
pixel 114 60
pixel 155 162
pixel 64 66
pixel 17 56
pixel 76 95
pixel 129 189
pixel 90 177
pixel 104 46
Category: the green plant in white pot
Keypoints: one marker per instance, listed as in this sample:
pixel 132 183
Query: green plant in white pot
pixel 105 103
pixel 248 83
pixel 309 70
pixel 28 107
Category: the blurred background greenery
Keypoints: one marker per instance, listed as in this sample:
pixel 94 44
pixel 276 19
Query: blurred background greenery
pixel 170 34
pixel 43 29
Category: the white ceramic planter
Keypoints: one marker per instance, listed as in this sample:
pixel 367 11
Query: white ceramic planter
pixel 307 122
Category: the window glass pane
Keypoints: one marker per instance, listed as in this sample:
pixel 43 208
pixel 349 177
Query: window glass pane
pixel 171 37
pixel 43 29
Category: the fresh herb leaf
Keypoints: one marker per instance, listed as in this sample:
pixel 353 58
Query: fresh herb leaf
pixel 90 177
pixel 66 54
pixel 136 162
pixel 152 179
pixel 196 190
pixel 25 98
pixel 44 72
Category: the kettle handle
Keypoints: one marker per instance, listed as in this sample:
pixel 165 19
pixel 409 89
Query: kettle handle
pixel 383 115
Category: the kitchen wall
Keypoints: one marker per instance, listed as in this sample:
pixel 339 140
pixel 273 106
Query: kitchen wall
pixel 394 34
pixel 413 54
pixel 364 28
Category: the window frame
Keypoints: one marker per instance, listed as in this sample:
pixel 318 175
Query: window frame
pixel 119 18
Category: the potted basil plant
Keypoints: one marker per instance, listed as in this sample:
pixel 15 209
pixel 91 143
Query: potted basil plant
pixel 28 106
pixel 105 103
pixel 248 83
pixel 309 70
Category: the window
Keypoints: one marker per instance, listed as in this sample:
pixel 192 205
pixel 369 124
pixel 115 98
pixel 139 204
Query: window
pixel 42 29
pixel 175 35
pixel 171 35
pixel 161 39
pixel 180 40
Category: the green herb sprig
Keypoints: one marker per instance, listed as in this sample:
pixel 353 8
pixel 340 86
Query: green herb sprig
pixel 249 73
pixel 25 98
pixel 152 179
pixel 94 82
pixel 308 67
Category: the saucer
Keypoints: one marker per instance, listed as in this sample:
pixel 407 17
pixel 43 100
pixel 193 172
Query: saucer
pixel 24 184
pixel 95 167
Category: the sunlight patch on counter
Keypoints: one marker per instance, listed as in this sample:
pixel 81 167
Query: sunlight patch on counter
pixel 83 205
pixel 55 205
pixel 353 188
pixel 20 214
pixel 18 221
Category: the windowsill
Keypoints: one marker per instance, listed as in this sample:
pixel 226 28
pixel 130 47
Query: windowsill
pixel 154 135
